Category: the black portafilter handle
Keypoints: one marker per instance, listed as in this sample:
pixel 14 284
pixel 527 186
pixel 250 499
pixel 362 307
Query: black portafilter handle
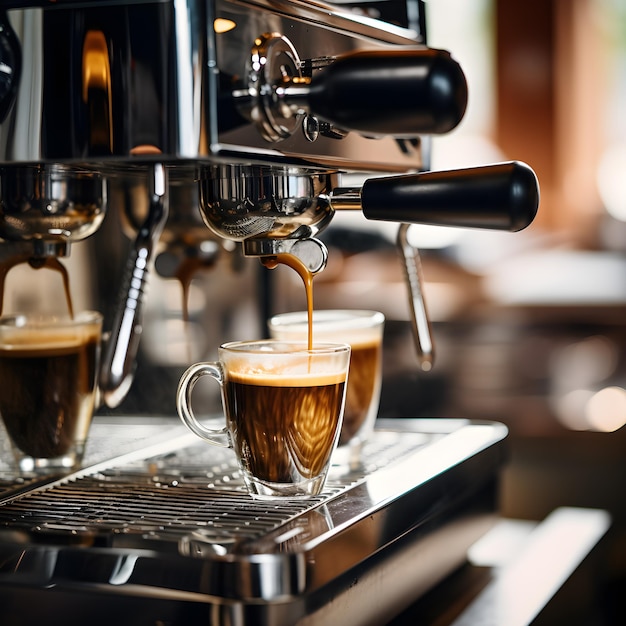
pixel 402 93
pixel 503 196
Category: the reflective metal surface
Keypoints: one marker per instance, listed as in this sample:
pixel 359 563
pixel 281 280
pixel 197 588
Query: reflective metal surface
pixel 114 82
pixel 105 93
pixel 178 526
pixel 50 204
pixel 243 202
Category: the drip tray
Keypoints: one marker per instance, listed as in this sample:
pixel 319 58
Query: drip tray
pixel 158 528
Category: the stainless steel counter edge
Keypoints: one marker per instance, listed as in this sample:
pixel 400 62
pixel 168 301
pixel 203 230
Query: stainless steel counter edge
pixel 312 549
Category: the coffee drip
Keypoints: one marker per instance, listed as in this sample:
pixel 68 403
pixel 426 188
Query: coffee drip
pixel 306 275
pixel 185 274
pixel 37 263
pixel 44 209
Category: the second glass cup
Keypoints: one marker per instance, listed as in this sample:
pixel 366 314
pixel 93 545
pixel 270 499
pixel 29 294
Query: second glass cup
pixel 48 373
pixel 363 330
pixel 283 405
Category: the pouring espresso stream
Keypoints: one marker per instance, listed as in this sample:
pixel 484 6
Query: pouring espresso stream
pixel 307 278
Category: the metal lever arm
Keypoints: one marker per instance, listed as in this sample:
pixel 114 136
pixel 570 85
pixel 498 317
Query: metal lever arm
pixel 120 353
pixel 417 305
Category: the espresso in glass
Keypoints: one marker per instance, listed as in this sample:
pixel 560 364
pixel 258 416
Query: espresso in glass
pixel 283 406
pixel 363 388
pixel 284 426
pixel 48 371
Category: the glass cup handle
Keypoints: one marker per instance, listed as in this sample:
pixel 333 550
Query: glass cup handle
pixel 216 436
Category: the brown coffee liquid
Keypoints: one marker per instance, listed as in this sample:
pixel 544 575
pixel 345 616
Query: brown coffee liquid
pixel 37 263
pixel 47 396
pixel 186 272
pixel 362 382
pixel 284 433
pixel 307 278
pixel 184 275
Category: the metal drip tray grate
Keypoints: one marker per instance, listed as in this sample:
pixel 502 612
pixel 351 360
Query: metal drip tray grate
pixel 167 518
pixel 194 490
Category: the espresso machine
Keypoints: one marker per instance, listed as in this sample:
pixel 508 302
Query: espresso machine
pixel 230 126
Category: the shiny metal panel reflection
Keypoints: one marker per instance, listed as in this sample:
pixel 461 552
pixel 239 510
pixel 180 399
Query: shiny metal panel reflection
pixel 180 527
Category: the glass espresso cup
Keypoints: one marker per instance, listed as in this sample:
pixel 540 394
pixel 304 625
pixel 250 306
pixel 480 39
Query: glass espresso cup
pixel 363 330
pixel 283 406
pixel 48 372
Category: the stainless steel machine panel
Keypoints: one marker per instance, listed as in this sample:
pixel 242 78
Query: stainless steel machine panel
pixel 120 83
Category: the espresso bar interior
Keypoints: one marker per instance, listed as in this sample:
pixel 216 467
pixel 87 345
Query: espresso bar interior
pixel 192 168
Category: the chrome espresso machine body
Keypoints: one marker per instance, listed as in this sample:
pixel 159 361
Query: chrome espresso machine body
pixel 233 121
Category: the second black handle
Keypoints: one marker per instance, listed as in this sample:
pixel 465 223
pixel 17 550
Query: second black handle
pixel 504 196
pixel 402 93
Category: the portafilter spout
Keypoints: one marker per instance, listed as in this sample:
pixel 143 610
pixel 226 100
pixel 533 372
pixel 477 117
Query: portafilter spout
pixel 271 210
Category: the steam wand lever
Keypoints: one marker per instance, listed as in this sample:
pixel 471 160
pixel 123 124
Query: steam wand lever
pixel 417 304
pixel 119 358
